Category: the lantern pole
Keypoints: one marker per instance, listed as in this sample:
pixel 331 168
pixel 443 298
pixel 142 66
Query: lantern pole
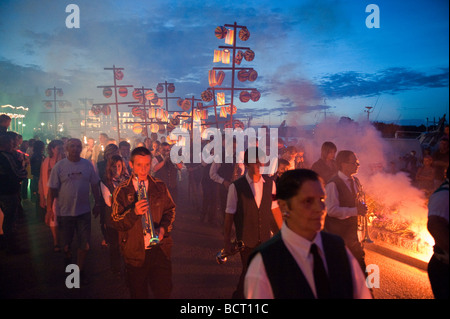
pixel 55 89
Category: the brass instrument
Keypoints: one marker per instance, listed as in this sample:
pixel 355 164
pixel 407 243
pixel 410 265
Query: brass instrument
pixel 147 221
pixel 236 246
pixel 363 230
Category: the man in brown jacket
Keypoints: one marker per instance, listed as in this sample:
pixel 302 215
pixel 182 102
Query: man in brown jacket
pixel 144 263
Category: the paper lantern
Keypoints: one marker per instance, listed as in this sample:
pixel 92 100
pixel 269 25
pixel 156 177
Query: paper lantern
pixel 220 98
pixel 48 105
pixel 186 105
pixel 48 92
pixel 154 128
pixel 159 88
pixel 118 75
pixel 238 58
pixel 137 94
pixel 196 115
pixel 223 112
pixel 107 92
pixel 229 38
pixel 164 116
pixel 217 56
pixel 137 128
pixel 171 88
pixel 106 110
pixel 204 115
pixel 244 96
pixel 226 56
pixel 212 78
pixel 123 91
pixel 136 111
pixel 220 76
pixel 149 95
pixel 151 113
pixel 220 32
pixel 249 55
pixel 244 34
pixel 255 95
pixel 238 124
pixel 229 108
pixel 207 95
pixel 252 75
pixel 242 75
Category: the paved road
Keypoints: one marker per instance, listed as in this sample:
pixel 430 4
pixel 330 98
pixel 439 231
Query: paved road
pixel 196 275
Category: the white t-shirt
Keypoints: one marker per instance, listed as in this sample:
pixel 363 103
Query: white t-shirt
pixel 73 181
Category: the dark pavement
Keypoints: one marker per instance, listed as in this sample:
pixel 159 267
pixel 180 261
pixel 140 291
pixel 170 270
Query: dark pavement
pixel 40 273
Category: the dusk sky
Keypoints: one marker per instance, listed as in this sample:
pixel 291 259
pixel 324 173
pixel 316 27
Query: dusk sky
pixel 311 55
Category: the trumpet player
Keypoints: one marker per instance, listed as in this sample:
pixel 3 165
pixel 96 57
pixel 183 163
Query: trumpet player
pixel 144 263
pixel 343 205
pixel 252 210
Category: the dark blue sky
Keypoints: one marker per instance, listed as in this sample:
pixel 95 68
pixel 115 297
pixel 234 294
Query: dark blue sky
pixel 311 56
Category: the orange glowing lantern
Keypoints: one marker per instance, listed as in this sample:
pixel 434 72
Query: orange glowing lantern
pixel 204 115
pixel 217 56
pixel 171 88
pixel 220 98
pixel 197 115
pixel 229 108
pixel 226 56
pixel 186 105
pixel 220 77
pixel 223 112
pixel 149 95
pixel 229 38
pixel 123 91
pixel 137 94
pixel 137 128
pixel 212 78
pixel 154 128
pixel 151 113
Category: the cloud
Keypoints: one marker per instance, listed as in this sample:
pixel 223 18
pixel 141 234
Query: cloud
pixel 388 81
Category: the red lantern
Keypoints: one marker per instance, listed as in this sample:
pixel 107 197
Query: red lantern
pixel 107 92
pixel 106 109
pixel 159 88
pixel 244 34
pixel 171 88
pixel 123 91
pixel 118 75
pixel 220 32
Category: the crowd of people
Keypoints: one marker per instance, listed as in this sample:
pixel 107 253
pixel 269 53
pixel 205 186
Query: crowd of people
pixel 298 225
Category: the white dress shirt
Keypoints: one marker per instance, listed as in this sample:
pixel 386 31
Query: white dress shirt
pixel 257 190
pixel 332 200
pixel 257 284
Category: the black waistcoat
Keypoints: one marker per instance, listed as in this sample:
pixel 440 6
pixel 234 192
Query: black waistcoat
pixel 253 224
pixel 287 279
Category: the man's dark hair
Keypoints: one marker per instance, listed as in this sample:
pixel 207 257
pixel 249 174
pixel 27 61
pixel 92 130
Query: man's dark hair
pixel 291 181
pixel 252 154
pixel 141 151
pixel 343 157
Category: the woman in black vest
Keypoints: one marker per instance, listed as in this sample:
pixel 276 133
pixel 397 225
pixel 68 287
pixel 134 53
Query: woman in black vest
pixel 301 261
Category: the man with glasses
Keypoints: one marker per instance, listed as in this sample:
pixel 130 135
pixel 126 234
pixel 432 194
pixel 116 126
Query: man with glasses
pixel 343 204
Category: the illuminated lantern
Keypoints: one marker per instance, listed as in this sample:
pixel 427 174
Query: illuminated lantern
pixel 220 32
pixel 48 105
pixel 212 78
pixel 226 56
pixel 154 128
pixel 204 114
pixel 229 38
pixel 149 95
pixel 164 116
pixel 155 99
pixel 252 75
pixel 229 108
pixel 171 88
pixel 118 75
pixel 160 102
pixel 180 102
pixel 159 88
pixel 196 115
pixel 255 95
pixel 186 105
pixel 207 95
pixel 123 91
pixel 151 113
pixel 220 77
pixel 244 34
pixel 106 110
pixel 136 111
pixel 217 56
pixel 238 124
pixel 249 55
pixel 159 113
pixel 137 128
pixel 220 98
pixel 238 58
pixel 48 92
pixel 137 94
pixel 162 129
pixel 107 92
pixel 223 112
pixel 242 75
pixel 244 96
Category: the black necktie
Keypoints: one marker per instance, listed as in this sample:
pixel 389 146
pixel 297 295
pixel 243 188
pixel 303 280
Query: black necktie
pixel 320 275
pixel 352 186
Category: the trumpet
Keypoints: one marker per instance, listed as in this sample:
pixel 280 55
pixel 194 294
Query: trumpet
pixel 363 230
pixel 150 235
pixel 236 246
